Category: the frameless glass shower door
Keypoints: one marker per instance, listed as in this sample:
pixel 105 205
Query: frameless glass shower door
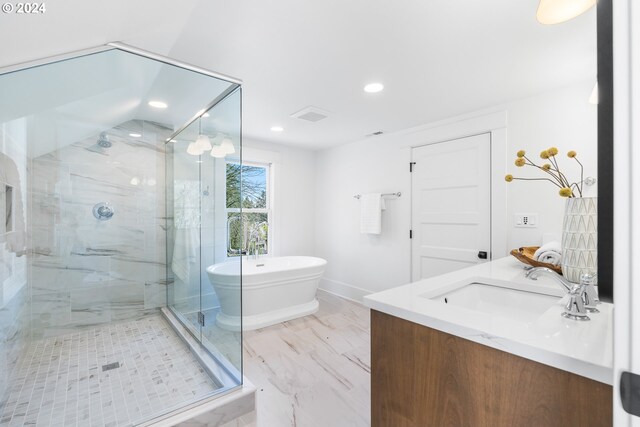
pixel 197 231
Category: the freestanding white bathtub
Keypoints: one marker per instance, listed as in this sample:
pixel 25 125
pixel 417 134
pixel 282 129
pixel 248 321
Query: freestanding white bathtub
pixel 273 290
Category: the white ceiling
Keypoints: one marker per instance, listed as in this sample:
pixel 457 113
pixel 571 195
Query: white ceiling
pixel 71 25
pixel 436 58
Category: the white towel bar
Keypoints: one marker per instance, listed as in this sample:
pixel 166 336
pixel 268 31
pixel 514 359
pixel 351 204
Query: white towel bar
pixel 398 194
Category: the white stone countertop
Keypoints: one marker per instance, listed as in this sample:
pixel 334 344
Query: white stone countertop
pixel 583 348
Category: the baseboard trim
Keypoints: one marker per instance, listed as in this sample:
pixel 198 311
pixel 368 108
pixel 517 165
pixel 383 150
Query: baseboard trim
pixel 343 290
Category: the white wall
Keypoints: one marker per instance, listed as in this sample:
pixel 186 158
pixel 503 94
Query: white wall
pixel 360 264
pixel 294 217
pixel 563 119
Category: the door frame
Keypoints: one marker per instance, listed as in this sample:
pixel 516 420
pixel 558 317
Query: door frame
pixel 626 199
pixel 495 124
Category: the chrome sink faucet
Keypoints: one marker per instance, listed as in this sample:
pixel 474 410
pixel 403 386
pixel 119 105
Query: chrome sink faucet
pixel 582 296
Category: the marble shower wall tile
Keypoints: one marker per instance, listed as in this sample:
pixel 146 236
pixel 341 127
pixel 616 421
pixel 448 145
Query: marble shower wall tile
pixel 87 272
pixel 14 295
pixel 14 337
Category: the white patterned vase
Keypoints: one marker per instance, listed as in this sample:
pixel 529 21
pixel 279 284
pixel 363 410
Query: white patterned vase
pixel 580 238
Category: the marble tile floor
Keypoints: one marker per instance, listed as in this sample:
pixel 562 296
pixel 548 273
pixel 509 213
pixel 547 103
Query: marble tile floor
pixel 61 381
pixel 313 371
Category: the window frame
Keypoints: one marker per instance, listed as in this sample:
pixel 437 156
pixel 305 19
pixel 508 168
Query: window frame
pixel 269 202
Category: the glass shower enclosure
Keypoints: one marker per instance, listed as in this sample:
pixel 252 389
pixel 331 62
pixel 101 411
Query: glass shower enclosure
pixel 112 189
pixel 197 225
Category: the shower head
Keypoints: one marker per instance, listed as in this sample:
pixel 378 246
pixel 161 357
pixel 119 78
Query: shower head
pixel 103 140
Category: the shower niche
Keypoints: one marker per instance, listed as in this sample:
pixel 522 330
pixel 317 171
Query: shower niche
pixel 105 234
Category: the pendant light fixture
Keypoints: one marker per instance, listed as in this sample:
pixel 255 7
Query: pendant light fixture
pixel 218 152
pixel 194 150
pixel 202 141
pixel 557 11
pixel 227 145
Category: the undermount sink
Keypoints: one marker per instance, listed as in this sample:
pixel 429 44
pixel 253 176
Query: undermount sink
pixel 498 300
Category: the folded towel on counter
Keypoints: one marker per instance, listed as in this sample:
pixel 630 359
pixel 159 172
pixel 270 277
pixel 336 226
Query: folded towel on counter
pixel 371 206
pixel 550 257
pixel 551 253
pixel 549 247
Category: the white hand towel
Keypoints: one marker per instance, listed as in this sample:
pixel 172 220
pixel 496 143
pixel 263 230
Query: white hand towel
pixel 185 252
pixel 551 246
pixel 550 257
pixel 371 213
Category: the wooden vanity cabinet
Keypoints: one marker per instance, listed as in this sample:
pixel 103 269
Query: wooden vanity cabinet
pixel 421 377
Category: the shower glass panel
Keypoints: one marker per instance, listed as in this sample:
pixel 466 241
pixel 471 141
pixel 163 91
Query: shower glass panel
pixel 197 232
pixel 224 123
pixel 184 191
pixel 86 202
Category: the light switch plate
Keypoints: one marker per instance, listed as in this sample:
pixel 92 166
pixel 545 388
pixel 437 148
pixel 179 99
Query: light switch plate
pixel 525 220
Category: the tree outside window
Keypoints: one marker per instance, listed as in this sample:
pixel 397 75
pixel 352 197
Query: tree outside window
pixel 247 187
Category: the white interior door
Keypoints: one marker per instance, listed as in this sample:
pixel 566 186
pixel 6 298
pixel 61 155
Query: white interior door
pixel 451 205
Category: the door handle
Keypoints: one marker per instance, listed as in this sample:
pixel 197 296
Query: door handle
pixel 482 255
pixel 630 393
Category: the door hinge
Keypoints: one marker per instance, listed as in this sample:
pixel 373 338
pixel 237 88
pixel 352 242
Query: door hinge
pixel 411 166
pixel 411 234
pixel 201 318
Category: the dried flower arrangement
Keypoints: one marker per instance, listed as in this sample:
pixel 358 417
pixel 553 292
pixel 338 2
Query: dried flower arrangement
pixel 556 177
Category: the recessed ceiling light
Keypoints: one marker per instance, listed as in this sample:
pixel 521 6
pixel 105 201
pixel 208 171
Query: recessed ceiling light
pixel 135 135
pixel 158 104
pixel 277 128
pixel 373 87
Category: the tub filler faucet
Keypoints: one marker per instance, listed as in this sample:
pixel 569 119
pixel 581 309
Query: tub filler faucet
pixel 255 241
pixel 583 296
pixel 253 245
pixel 252 249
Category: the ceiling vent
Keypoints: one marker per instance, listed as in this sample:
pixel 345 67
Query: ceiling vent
pixel 311 114
pixel 377 133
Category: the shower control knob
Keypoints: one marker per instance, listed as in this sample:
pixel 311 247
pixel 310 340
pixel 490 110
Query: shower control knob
pixel 103 211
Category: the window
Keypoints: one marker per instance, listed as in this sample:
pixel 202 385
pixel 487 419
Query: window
pixel 247 187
